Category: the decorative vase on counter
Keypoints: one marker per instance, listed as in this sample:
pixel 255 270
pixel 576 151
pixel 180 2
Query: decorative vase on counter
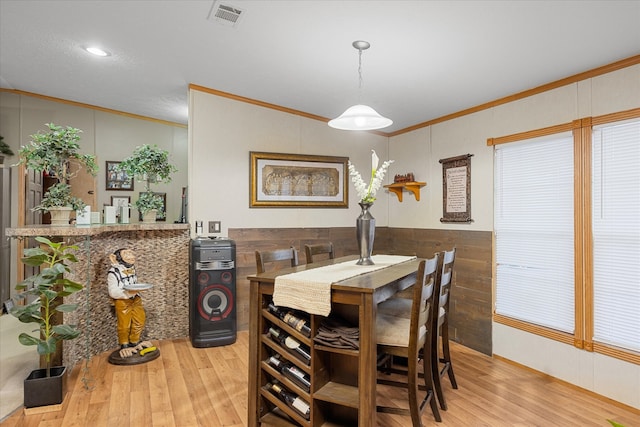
pixel 150 215
pixel 365 233
pixel 60 215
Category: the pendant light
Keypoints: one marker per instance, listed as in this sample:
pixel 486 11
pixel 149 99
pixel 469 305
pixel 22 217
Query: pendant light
pixel 360 117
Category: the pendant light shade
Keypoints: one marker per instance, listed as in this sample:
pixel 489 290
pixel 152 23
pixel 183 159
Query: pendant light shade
pixel 360 117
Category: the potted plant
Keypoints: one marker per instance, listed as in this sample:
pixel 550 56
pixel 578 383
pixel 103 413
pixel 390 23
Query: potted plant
pixel 149 204
pixel 149 164
pixel 45 386
pixel 4 150
pixel 52 152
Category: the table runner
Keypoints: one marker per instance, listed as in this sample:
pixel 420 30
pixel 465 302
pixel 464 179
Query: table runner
pixel 310 290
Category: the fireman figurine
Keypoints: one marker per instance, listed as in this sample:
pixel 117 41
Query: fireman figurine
pixel 125 292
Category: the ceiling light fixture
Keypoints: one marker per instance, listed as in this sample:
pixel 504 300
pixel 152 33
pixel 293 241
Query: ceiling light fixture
pixel 97 51
pixel 360 117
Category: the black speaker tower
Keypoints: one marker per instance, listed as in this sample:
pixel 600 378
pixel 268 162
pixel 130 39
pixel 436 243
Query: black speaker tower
pixel 212 292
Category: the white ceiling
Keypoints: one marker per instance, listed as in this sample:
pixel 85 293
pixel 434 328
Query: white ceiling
pixel 427 58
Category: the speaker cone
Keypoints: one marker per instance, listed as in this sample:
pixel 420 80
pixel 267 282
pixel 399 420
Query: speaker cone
pixel 203 278
pixel 215 302
pixel 226 277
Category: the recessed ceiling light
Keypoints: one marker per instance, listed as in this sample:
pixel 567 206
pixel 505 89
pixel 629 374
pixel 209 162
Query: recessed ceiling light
pixel 97 51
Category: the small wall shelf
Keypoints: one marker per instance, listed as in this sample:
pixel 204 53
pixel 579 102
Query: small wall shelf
pixel 412 186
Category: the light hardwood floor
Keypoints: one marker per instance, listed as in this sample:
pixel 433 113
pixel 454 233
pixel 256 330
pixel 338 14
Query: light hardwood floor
pixel 187 387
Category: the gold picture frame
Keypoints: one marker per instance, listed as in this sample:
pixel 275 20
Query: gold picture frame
pixel 298 180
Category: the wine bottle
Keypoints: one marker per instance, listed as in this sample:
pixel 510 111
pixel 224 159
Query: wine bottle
pixel 293 345
pixel 292 372
pixel 293 320
pixel 295 402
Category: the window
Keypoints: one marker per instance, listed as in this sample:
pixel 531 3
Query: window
pixel 616 234
pixel 534 231
pixel 567 233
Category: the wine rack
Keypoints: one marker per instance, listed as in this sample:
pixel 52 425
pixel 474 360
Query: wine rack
pixel 268 373
pixel 343 381
pixel 333 372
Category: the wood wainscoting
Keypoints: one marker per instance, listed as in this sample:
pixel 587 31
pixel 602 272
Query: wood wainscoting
pixel 470 320
pixel 470 305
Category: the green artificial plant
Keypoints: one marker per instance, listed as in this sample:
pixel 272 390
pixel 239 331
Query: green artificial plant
pixel 48 287
pixel 149 164
pixel 52 152
pixel 149 201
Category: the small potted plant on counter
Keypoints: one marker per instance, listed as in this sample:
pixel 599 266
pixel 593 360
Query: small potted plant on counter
pixel 47 289
pixel 149 164
pixel 149 204
pixel 53 152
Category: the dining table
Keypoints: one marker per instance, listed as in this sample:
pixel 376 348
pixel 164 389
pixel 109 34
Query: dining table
pixel 342 393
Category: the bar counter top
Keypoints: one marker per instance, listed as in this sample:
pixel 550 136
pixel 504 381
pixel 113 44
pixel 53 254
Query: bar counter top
pixel 90 230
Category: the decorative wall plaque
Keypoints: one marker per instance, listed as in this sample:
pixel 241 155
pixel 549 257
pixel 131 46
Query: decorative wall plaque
pixel 456 189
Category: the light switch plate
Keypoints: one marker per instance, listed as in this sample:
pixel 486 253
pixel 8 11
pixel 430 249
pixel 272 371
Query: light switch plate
pixel 214 226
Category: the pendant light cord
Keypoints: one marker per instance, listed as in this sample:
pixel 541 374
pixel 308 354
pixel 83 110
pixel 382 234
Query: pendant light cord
pixel 360 70
pixel 360 45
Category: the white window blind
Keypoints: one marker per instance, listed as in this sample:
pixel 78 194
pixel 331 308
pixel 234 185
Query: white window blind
pixel 534 231
pixel 616 234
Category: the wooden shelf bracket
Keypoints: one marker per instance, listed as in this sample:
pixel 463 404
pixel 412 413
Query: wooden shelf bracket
pixel 412 186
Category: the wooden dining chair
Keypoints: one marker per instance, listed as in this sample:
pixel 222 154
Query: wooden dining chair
pixel 441 363
pixel 441 356
pixel 410 338
pixel 275 255
pixel 318 249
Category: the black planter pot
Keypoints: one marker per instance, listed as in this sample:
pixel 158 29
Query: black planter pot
pixel 40 390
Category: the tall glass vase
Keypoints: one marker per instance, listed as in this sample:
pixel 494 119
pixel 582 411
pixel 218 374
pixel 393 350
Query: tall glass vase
pixel 365 233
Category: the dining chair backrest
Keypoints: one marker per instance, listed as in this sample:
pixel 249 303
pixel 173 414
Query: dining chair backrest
pixel 424 297
pixel 275 255
pixel 318 249
pixel 416 314
pixel 446 282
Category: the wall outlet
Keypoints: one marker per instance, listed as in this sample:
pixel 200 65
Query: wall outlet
pixel 214 226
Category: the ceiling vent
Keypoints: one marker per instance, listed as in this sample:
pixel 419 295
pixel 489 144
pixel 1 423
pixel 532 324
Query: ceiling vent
pixel 225 14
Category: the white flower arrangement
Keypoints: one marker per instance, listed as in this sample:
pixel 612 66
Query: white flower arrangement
pixel 367 193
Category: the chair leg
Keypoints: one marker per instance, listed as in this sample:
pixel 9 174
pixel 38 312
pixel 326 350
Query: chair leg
pixel 429 384
pixel 435 372
pixel 446 355
pixel 413 387
pixel 385 363
pixel 412 383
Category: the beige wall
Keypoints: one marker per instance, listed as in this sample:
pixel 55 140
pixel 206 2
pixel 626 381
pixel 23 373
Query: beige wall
pixel 115 139
pixel 108 136
pixel 223 131
pixel 613 92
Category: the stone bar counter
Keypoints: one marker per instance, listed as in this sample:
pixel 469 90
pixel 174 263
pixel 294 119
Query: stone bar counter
pixel 162 259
